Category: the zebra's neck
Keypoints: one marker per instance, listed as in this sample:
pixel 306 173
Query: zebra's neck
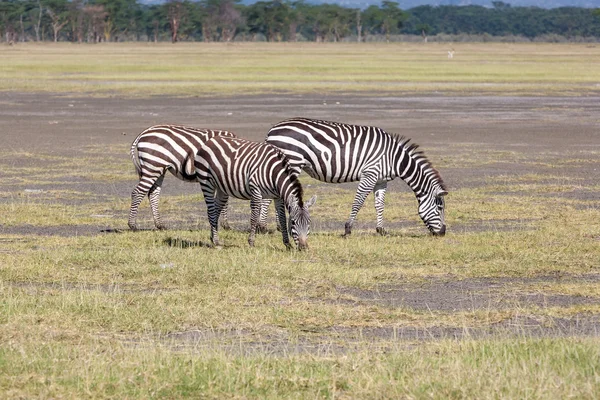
pixel 291 191
pixel 413 167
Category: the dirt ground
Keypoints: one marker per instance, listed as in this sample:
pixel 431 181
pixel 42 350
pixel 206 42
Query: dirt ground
pixel 544 129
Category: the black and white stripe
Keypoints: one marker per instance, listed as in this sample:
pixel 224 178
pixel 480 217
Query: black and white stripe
pixel 336 152
pixel 252 171
pixel 163 148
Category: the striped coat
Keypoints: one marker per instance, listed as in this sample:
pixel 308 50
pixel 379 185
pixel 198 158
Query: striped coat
pixel 163 148
pixel 335 152
pixel 252 171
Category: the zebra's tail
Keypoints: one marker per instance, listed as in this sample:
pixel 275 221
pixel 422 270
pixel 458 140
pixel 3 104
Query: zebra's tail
pixel 134 155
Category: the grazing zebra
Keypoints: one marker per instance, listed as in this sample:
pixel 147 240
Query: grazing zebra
pixel 161 148
pixel 252 171
pixel 335 152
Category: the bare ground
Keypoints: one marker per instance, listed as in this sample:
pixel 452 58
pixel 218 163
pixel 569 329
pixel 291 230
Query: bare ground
pixel 541 136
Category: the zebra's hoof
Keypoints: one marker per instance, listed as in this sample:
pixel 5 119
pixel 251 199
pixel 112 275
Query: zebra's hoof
pixel 347 230
pixel 133 227
pixel 381 231
pixel 161 227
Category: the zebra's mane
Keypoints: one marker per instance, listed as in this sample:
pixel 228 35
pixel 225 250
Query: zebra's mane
pixel 296 185
pixel 418 154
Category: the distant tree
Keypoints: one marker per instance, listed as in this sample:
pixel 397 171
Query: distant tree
pixel 393 18
pixel 500 5
pixel 36 13
pixel 330 22
pixel 358 25
pixel 175 13
pixel 76 19
pixel 94 17
pixel 120 17
pixel 373 18
pixel 58 12
pixel 155 21
pixel 272 19
pixel 424 28
pixel 229 17
pixel 220 19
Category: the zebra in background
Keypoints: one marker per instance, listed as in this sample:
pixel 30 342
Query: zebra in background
pixel 336 152
pixel 252 171
pixel 163 148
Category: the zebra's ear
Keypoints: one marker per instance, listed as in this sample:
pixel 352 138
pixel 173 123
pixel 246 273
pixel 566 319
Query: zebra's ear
pixel 311 202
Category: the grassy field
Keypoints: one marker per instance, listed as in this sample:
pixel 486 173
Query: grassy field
pixel 195 69
pixel 160 314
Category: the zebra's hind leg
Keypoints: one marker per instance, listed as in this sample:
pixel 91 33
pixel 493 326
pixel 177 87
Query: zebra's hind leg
pixel 154 197
pixel 213 210
pixel 137 196
pixel 142 189
pixel 365 186
pixel 379 192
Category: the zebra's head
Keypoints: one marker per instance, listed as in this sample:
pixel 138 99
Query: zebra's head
pixel 431 210
pixel 299 222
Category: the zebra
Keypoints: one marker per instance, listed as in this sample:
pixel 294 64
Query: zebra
pixel 163 148
pixel 253 171
pixel 336 152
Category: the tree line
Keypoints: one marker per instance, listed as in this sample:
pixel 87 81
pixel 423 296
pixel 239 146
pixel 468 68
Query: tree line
pixel 277 20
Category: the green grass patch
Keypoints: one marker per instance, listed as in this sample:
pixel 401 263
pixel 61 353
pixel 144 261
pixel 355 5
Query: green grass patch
pixel 197 69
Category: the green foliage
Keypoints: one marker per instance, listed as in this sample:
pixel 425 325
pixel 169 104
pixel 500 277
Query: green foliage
pixel 271 19
pixel 277 20
pixel 504 20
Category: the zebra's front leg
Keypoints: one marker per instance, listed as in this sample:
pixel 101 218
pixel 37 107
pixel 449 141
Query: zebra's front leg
pixel 154 197
pixel 213 213
pixel 379 192
pixel 262 221
pixel 280 210
pixel 365 186
pixel 224 218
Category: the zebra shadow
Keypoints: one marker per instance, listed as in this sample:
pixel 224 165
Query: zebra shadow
pixel 112 230
pixel 186 243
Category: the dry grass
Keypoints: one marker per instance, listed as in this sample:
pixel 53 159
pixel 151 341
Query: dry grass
pixel 505 305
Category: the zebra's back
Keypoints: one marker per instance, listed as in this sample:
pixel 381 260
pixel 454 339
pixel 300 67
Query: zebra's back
pixel 171 147
pixel 330 151
pixel 337 152
pixel 163 148
pixel 238 166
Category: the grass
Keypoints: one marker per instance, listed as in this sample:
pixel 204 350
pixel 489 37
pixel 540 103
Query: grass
pixel 201 69
pixel 554 370
pixel 505 305
pixel 161 314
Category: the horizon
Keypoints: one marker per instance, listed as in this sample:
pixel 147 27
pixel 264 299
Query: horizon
pixel 408 4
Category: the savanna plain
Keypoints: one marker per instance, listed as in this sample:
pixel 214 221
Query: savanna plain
pixel 505 305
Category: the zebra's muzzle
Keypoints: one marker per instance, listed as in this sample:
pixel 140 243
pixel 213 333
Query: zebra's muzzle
pixel 302 244
pixel 441 232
